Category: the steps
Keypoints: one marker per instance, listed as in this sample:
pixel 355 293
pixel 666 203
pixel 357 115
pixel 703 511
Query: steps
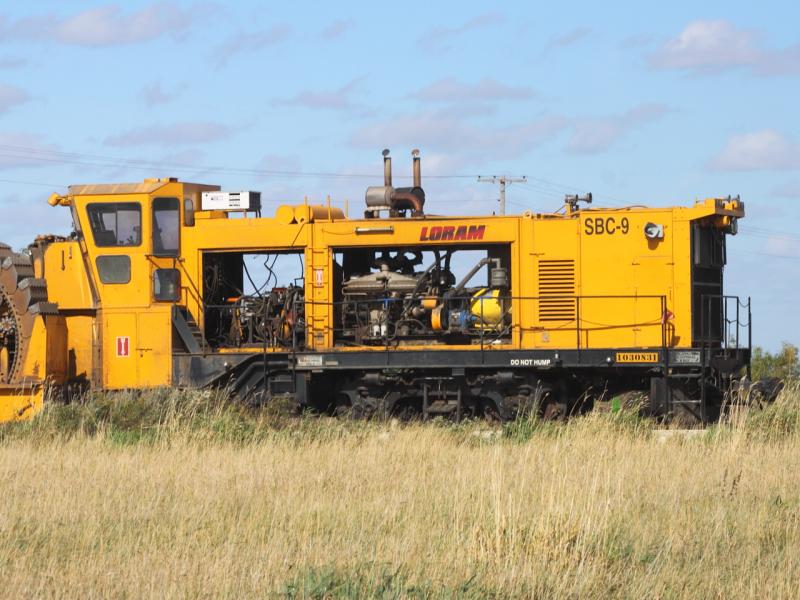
pixel 188 331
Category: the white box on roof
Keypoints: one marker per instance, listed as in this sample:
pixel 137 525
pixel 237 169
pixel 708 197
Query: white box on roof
pixel 246 201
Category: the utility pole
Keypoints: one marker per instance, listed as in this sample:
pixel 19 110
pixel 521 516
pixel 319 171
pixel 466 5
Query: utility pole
pixel 502 180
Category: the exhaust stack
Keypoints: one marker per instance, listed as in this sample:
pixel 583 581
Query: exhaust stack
pixel 416 168
pixel 397 200
pixel 387 169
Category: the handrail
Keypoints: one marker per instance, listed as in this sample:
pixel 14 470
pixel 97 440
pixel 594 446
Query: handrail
pixel 720 321
pixel 488 335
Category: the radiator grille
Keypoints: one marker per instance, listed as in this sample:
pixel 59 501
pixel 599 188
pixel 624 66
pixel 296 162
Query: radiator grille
pixel 556 290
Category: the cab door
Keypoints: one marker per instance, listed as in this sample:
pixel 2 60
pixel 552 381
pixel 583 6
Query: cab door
pixel 117 253
pixel 133 243
pixel 154 326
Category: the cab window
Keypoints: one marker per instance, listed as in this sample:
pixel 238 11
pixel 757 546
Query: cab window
pixel 114 268
pixel 166 227
pixel 116 223
pixel 167 285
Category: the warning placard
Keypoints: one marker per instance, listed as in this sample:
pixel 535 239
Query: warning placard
pixel 123 346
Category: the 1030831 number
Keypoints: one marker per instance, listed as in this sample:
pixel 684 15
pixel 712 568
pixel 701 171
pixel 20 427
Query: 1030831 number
pixel 606 226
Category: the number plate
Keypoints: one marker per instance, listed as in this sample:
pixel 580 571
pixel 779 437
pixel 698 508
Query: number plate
pixel 637 357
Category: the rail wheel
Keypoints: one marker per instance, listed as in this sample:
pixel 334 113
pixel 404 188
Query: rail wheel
pixel 22 298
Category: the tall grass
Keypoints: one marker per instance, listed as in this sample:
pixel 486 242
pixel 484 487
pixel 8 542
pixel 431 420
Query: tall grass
pixel 186 495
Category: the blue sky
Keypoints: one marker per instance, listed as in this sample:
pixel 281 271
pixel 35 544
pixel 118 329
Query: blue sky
pixel 658 105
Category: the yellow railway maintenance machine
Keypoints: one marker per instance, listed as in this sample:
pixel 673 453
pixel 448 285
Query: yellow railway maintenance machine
pixel 166 283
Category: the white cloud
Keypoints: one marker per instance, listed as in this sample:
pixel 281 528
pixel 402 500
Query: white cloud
pixel 11 96
pixel 569 38
pixel 178 134
pixel 451 131
pixel 780 62
pixel 760 150
pixel 251 42
pixel 593 135
pixel 441 130
pixel 336 29
pixel 12 62
pixel 107 25
pixel 338 99
pixel 437 39
pixel 154 94
pixel 484 90
pixel 706 46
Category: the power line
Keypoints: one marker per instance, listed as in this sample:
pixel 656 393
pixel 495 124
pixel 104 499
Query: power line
pixel 777 255
pixel 46 155
pixel 104 161
pixel 39 183
pixel 545 187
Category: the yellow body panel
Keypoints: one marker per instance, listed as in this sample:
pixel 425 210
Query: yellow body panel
pixel 81 336
pixel 120 340
pixel 154 347
pixel 67 283
pixel 19 403
pixel 47 354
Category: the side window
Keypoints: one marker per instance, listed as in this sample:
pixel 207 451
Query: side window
pixel 188 212
pixel 166 227
pixel 166 285
pixel 116 223
pixel 114 268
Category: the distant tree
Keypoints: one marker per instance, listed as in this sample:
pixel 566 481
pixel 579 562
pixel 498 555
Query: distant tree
pixel 784 364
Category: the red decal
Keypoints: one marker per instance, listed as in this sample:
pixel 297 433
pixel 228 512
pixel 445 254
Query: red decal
pixel 123 346
pixel 476 232
pixel 462 232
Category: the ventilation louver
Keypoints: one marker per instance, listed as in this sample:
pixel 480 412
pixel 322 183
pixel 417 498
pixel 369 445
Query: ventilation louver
pixel 556 290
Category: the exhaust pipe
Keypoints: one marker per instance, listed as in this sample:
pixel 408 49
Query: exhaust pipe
pixel 412 198
pixel 416 168
pixel 387 169
pixel 402 199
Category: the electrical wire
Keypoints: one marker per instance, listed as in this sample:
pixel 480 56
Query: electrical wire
pixel 547 189
pixel 76 158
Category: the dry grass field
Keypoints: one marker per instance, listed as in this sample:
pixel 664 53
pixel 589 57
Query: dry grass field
pixel 183 496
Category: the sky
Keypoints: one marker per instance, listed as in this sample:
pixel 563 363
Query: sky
pixel 656 105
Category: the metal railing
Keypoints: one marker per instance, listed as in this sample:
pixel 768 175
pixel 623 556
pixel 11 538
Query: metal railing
pixel 640 320
pixel 721 322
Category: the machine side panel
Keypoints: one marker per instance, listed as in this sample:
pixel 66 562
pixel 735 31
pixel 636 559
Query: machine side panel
pixel 119 350
pixel 67 280
pixel 154 347
pixel 553 282
pixel 679 324
pixel 627 277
